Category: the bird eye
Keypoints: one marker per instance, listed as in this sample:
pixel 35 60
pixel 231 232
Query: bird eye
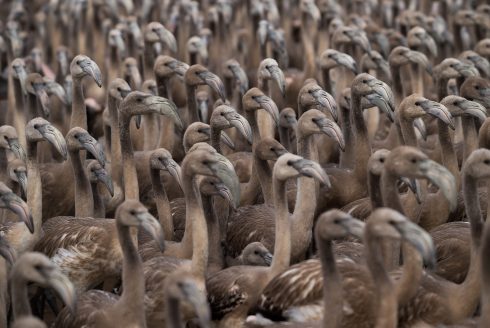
pixel 205 162
pixel 364 81
pixel 256 252
pixel 413 160
pixel 477 87
pixel 36 126
pixel 139 99
pixel 487 161
pixel 6 138
pixel 336 221
pixel 417 103
pixel 222 114
pixel 38 267
pixel 132 212
pixel 290 163
pixel 382 160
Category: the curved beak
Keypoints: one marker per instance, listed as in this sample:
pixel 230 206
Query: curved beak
pixel 354 226
pixel 22 178
pixel 153 227
pixel 442 178
pixel 93 147
pixel 127 5
pixel 7 252
pixel 178 67
pixel 203 108
pixel 419 124
pixel 262 31
pixel 68 89
pixel 175 171
pixel 17 149
pixel 55 138
pixel 225 138
pixel 134 76
pixel 312 169
pixel 474 109
pixel 292 121
pixel 383 104
pixel 384 66
pixel 312 10
pixel 21 75
pixel 105 178
pixel 167 38
pixel 439 111
pixel 414 187
pixel 14 203
pixel 420 239
pixel 240 78
pixel 332 130
pixel 430 43
pixel 43 97
pixel 419 58
pixel 202 50
pixel 92 69
pixel 466 69
pixel 135 31
pixel 63 286
pixel 62 58
pixel 386 100
pixel 166 107
pixel 278 76
pixel 57 90
pixel 241 124
pixel 325 100
pixel 214 82
pixel 481 63
pixel 268 257
pixel 484 96
pixel 360 38
pixel 225 171
pixel 346 61
pixel 269 106
pixel 226 193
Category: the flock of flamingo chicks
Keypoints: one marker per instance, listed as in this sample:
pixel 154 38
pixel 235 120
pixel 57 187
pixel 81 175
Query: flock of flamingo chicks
pixel 228 163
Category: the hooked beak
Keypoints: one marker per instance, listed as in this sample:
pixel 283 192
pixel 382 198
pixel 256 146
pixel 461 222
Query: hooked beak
pixel 43 97
pixel 439 111
pixel 312 169
pixel 19 207
pixel 385 67
pixel 414 186
pixel 225 171
pixel 225 138
pixel 21 75
pixel 93 147
pixel 167 38
pixel 481 63
pixel 214 82
pixel 278 76
pixel 202 105
pixel 7 252
pixel 292 121
pixel 386 100
pixel 360 38
pixel 127 5
pixel 354 227
pixel 22 178
pixel 17 149
pixel 166 107
pixel 105 178
pixel 484 98
pixel 92 69
pixel 269 106
pixel 65 289
pixel 134 75
pixel 226 193
pixel 346 61
pixel 420 239
pixel 57 90
pixel 325 100
pixel 178 67
pixel 175 171
pixel 332 130
pixel 442 178
pixel 55 138
pixel 419 58
pixel 430 43
pixel 241 124
pixel 466 69
pixel 312 10
pixel 268 258
pixel 63 62
pixel 474 109
pixel 383 104
pixel 153 227
pixel 262 31
pixel 419 124
pixel 240 78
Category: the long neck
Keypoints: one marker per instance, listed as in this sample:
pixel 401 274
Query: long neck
pixel 20 300
pixel 253 186
pixel 215 138
pixel 116 156
pixel 327 83
pixel 472 206
pixel 34 188
pixel 347 157
pixel 408 132
pixel 449 158
pixel 99 206
pixel 408 284
pixel 131 190
pixel 215 250
pixel 374 190
pixel 264 175
pixel 389 189
pixel 172 310
pixel 485 263
pixel 166 124
pixel 470 136
pixel 362 146
pixel 196 230
pixel 78 113
pixel 191 105
pixel 84 202
pixel 133 283
pixel 309 51
pixel 282 246
pixel 284 137
pixel 332 286
pixel 163 205
pixel 397 84
pixel 441 86
pixel 385 292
